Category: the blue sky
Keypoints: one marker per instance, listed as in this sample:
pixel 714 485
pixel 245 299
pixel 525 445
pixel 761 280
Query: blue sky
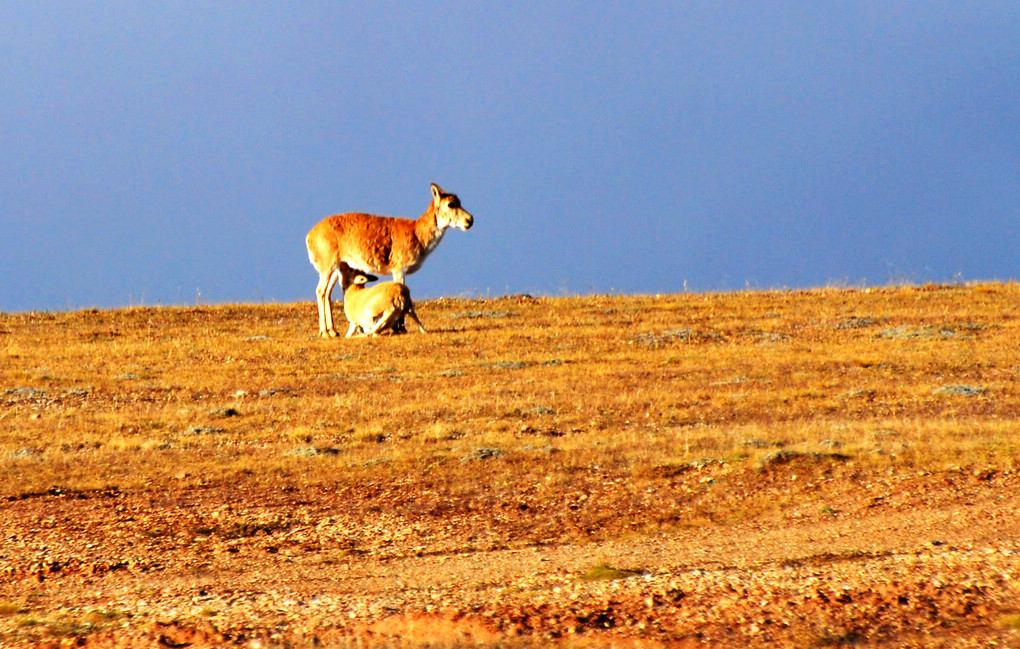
pixel 177 153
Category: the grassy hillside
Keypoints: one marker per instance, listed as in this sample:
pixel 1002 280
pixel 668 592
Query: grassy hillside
pixel 905 377
pixel 521 422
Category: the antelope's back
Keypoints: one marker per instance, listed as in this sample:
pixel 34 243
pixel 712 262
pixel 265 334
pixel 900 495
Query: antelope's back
pixel 363 241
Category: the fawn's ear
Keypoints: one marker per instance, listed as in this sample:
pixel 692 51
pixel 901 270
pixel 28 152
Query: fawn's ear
pixel 437 193
pixel 361 280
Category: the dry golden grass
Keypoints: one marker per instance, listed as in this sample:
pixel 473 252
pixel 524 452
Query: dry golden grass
pixel 921 377
pixel 173 450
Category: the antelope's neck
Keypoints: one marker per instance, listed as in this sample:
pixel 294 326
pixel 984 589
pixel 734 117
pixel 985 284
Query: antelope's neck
pixel 427 231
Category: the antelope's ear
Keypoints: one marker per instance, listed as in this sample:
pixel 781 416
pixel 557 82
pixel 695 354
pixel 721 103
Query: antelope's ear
pixel 361 280
pixel 437 193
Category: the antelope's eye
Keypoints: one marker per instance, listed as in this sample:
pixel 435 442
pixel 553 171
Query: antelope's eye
pixel 454 204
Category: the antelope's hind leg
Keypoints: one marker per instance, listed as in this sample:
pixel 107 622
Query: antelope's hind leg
pixel 322 291
pixel 334 277
pixel 414 318
pixel 385 321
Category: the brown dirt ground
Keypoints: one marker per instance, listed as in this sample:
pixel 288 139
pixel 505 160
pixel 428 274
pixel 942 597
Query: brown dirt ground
pixel 902 560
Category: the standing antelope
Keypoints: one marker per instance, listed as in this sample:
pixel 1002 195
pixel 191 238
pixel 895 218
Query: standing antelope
pixel 374 309
pixel 377 244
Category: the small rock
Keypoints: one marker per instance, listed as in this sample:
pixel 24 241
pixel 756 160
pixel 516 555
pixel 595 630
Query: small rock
pixel 777 457
pixel 26 392
pixel 855 322
pixel 509 365
pixel 206 430
pixel 959 390
pixel 483 453
pixel 481 314
pixel 301 451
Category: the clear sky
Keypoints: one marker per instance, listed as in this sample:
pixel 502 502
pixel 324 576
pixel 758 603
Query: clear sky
pixel 178 152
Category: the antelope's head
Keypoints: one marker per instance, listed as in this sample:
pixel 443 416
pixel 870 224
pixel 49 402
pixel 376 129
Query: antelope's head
pixel 448 211
pixel 353 277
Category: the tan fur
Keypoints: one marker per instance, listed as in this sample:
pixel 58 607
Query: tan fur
pixel 350 242
pixel 376 309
